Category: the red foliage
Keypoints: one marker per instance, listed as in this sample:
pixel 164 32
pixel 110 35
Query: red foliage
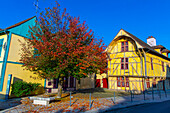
pixel 63 47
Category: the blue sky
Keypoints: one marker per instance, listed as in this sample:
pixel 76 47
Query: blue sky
pixel 142 18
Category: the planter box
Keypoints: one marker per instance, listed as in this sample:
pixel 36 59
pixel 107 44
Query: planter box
pixel 42 100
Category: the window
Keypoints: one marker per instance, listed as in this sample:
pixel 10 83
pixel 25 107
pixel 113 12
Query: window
pixel 163 67
pixel 147 83
pixel 124 63
pixel 127 81
pixel 1 45
pixel 121 82
pixel 124 46
pixel 154 83
pixel 118 82
pixel 151 63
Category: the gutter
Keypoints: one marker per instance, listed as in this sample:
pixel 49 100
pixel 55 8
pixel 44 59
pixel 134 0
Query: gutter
pixel 5 58
pixel 145 61
pixel 144 53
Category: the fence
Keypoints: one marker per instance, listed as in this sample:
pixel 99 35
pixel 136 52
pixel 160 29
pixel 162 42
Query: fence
pixel 139 86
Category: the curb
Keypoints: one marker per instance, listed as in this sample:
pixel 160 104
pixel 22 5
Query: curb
pixel 11 108
pixel 7 110
pixel 120 106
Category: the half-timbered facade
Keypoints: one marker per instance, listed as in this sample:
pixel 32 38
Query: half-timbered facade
pixel 136 65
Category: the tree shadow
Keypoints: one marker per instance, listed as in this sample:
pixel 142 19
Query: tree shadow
pixel 60 111
pixel 55 100
pixel 6 104
pixel 74 102
pixel 91 90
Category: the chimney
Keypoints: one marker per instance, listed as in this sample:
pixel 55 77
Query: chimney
pixel 151 41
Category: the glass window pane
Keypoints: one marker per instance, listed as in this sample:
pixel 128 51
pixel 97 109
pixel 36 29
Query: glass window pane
pixel 1 44
pixel 122 43
pixel 122 60
pixel 126 59
pixel 122 49
pixel 126 66
pixel 118 83
pixel 126 43
pixel 122 66
pixel 126 48
pixel 163 66
pixel 127 84
pixel 123 84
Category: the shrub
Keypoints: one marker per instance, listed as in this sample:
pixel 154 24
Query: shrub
pixel 22 88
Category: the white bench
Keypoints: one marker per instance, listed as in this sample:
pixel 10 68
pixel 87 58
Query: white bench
pixel 42 100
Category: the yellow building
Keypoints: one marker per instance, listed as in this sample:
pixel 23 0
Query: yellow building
pixel 136 65
pixel 11 68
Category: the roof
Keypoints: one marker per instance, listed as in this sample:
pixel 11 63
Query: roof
pixel 150 37
pixel 145 45
pixel 20 23
pixel 165 51
pixel 0 29
pixel 158 47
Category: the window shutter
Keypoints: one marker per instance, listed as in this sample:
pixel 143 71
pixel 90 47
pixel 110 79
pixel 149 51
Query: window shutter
pixel 1 45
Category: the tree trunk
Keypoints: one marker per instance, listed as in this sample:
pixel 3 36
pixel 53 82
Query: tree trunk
pixel 59 88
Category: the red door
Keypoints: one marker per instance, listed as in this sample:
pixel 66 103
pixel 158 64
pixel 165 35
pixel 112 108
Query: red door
pixel 105 83
pixel 97 82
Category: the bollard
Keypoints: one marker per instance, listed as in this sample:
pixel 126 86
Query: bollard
pixel 160 94
pixel 159 91
pixel 114 98
pixel 165 93
pixel 131 96
pixel 90 101
pixel 152 94
pixel 70 98
pixel 164 83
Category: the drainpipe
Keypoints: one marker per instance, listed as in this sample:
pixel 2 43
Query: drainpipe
pixel 108 84
pixel 2 69
pixel 145 61
pixel 145 67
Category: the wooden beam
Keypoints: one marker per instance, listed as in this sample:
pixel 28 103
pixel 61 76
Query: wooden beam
pixel 115 68
pixel 135 70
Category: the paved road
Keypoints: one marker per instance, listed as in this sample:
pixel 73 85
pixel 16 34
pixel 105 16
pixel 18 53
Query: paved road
pixel 161 107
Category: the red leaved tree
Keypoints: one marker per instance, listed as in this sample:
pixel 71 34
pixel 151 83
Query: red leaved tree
pixel 60 46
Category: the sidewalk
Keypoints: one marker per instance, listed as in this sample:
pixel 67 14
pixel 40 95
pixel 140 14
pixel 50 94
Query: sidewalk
pixel 98 105
pixel 6 104
pixel 123 102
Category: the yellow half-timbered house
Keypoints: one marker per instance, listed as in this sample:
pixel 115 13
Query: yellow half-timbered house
pixel 136 65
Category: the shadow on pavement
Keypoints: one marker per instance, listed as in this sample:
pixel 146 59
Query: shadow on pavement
pixel 6 104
